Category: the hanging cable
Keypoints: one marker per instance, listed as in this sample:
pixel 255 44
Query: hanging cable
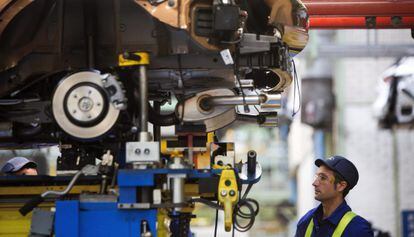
pixel 250 215
pixel 252 211
pixel 180 70
pixel 31 83
pixel 207 202
pixel 215 223
pixel 236 74
pixel 296 86
pixel 247 191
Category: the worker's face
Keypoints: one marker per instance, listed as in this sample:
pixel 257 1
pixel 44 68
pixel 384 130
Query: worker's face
pixel 324 184
pixel 26 171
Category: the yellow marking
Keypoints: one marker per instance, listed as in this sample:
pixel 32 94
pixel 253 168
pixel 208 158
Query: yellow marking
pixel 176 154
pixel 12 223
pixel 141 58
pixel 164 149
pixel 163 229
pixel 210 137
pixel 191 190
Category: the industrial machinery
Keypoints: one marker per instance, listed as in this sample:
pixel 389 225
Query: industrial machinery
pixel 91 76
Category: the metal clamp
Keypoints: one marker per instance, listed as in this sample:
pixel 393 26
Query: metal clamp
pixel 143 152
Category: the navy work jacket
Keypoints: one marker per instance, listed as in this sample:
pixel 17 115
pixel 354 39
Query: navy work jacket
pixel 358 227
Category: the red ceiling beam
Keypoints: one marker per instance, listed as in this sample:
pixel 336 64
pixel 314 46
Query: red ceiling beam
pixel 360 23
pixel 354 14
pixel 360 8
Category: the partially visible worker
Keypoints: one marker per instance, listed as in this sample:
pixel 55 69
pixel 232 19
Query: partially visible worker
pixel 333 217
pixel 19 166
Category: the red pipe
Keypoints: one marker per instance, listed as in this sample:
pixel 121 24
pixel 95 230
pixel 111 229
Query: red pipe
pixel 358 23
pixel 360 8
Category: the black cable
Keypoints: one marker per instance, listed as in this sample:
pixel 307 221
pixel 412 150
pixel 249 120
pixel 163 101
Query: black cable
pixel 296 85
pixel 207 202
pixel 216 223
pixel 29 84
pixel 11 102
pixel 180 70
pixel 254 106
pixel 253 209
pixel 234 41
pixel 236 74
pixel 233 230
pixel 247 191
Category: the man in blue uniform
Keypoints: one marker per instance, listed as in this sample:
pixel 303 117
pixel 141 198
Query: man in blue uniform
pixel 333 217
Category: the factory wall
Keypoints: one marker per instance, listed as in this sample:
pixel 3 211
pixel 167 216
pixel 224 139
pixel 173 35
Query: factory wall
pixel 383 157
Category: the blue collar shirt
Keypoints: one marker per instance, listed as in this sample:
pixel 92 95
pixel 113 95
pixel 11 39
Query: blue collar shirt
pixel 358 227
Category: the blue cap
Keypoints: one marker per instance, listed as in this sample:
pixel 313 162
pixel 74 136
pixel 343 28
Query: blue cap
pixel 343 167
pixel 16 163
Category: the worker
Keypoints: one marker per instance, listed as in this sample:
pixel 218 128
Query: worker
pixel 333 217
pixel 19 166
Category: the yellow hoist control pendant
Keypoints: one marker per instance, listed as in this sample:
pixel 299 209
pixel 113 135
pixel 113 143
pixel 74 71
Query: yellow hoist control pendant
pixel 228 195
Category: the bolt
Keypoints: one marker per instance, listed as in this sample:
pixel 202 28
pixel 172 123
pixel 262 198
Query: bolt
pixel 89 92
pixel 146 151
pixel 396 21
pixel 98 104
pixel 232 193
pixel 370 21
pixel 134 129
pixel 227 182
pixel 223 193
pixel 89 116
pixel 138 151
pixel 34 124
pixel 74 111
pixel 75 96
pixel 85 104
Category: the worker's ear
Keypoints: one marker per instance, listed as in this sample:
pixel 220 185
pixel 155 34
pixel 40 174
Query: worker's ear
pixel 341 186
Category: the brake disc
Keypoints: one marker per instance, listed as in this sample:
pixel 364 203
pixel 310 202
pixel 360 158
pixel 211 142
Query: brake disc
pixel 82 107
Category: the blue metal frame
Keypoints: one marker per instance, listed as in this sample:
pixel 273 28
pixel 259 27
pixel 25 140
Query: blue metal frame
pixel 75 219
pixel 79 219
